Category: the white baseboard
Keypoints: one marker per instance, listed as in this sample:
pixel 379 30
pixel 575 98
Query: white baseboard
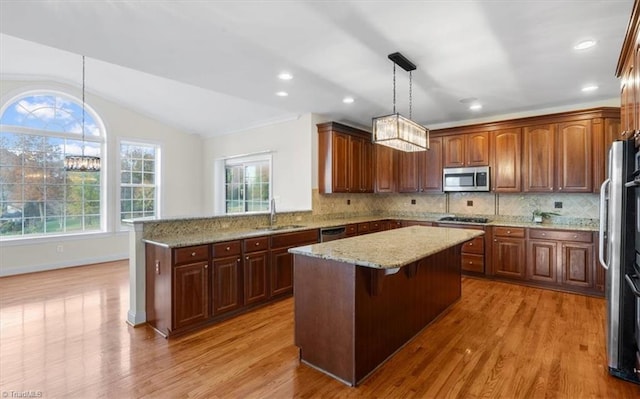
pixel 61 265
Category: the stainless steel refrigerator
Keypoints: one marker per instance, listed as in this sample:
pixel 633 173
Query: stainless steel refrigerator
pixel 617 254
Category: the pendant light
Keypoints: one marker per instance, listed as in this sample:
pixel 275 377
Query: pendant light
pixel 82 163
pixel 395 130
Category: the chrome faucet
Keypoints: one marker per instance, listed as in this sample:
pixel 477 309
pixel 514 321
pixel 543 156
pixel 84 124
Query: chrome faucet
pixel 272 216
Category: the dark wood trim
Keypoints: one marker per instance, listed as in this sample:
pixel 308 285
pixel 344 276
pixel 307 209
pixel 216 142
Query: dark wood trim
pixel 631 35
pixel 339 127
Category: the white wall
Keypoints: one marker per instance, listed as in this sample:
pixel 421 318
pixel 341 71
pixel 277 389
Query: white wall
pixel 180 183
pixel 292 162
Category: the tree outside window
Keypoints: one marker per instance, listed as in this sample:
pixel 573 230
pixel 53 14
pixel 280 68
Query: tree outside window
pixel 247 185
pixel 138 180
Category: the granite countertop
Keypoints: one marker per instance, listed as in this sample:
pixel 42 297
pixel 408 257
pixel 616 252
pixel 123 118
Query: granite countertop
pixel 185 239
pixel 389 249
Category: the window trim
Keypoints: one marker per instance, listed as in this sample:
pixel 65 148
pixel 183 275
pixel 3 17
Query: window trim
pixel 8 100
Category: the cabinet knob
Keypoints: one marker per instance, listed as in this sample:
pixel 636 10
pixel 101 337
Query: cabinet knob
pixel 470 244
pixel 471 262
pixel 544 234
pixel 508 231
pixel 257 244
pixel 206 266
pixel 228 248
pixel 495 240
pixel 575 236
pixel 193 254
pixel 246 257
pixel 559 188
pixel 239 260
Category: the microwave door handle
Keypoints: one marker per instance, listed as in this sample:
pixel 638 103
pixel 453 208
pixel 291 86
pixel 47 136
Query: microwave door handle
pixel 603 218
pixel 632 284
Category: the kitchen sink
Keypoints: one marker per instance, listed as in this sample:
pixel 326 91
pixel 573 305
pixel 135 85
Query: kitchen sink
pixel 281 227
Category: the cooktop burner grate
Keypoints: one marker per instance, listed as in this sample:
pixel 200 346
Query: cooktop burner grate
pixel 463 219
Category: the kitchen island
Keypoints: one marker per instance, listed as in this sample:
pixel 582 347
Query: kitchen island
pixel 358 300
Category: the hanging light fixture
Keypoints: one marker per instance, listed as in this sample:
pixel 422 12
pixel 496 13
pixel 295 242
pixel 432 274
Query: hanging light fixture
pixel 82 163
pixel 395 130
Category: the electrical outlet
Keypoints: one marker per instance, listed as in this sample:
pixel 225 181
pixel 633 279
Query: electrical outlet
pixel 298 218
pixel 348 202
pixel 469 203
pixel 557 205
pixel 413 202
pixel 60 248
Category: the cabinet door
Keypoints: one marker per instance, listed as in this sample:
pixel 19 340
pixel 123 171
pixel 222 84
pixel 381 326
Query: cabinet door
pixel 509 257
pixel 577 264
pixel 256 277
pixel 539 159
pixel 430 166
pixel 190 294
pixel 385 165
pixel 226 284
pixel 506 147
pixel 542 261
pixel 575 157
pixel 360 164
pixel 340 162
pixel 408 178
pixel 366 167
pixel 454 151
pixel 281 272
pixel 477 149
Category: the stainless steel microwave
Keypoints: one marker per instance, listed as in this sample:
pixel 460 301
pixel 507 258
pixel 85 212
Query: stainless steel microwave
pixel 466 179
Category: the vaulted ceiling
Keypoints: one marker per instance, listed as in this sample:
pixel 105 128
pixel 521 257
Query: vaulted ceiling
pixel 211 67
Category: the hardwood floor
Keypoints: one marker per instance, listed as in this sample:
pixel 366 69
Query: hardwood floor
pixel 63 333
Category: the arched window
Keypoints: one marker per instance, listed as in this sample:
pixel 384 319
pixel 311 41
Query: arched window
pixel 37 196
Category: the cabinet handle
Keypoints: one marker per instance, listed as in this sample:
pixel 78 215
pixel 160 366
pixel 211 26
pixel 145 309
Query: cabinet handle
pixel 193 254
pixel 544 234
pixel 470 244
pixel 495 240
pixel 206 266
pixel 246 257
pixel 575 236
pixel 508 231
pixel 228 249
pixel 471 262
pixel 239 260
pixel 257 244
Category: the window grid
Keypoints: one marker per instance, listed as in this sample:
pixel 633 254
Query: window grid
pixel 37 197
pixel 247 186
pixel 138 175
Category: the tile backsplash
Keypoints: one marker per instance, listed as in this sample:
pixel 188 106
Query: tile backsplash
pixel 519 205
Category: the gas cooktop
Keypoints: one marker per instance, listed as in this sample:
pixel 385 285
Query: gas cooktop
pixel 463 219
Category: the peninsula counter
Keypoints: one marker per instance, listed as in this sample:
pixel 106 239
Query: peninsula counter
pixel 358 300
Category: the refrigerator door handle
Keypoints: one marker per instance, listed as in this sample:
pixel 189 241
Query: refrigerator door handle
pixel 632 284
pixel 603 218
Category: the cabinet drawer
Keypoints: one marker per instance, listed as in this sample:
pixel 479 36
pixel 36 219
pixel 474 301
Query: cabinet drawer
pixel 375 226
pixel 561 235
pixel 473 263
pixel 294 239
pixel 363 228
pixel 352 229
pixel 475 246
pixel 227 248
pixel 509 232
pixel 256 244
pixel 196 253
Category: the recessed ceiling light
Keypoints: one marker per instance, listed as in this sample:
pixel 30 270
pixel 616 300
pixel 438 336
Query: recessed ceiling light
pixel 590 88
pixel 282 94
pixel 585 44
pixel 475 107
pixel 285 76
pixel 348 100
pixel 468 100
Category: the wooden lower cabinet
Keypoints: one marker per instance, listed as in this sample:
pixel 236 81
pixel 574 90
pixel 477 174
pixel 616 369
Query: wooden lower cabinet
pixel 191 294
pixel 577 265
pixel 227 282
pixel 542 261
pixel 281 271
pixel 256 277
pixel 508 252
pixel 472 251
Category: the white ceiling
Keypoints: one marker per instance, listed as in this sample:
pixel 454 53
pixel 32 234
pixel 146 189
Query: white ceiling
pixel 210 67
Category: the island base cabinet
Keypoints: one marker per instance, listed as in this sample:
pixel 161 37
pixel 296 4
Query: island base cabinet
pixel 191 293
pixel 349 319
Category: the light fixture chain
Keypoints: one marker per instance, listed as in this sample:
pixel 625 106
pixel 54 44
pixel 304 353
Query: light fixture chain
pixel 410 94
pixel 83 106
pixel 394 87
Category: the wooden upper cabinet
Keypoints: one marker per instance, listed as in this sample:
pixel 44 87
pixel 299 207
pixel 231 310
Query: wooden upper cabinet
pixel 421 171
pixel 430 166
pixel 471 149
pixel 506 150
pixel 575 157
pixel 454 151
pixel 628 71
pixel 345 159
pixel 477 149
pixel 539 159
pixel 385 160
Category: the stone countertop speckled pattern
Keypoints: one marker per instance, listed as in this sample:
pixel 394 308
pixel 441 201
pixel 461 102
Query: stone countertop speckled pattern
pixel 186 238
pixel 389 249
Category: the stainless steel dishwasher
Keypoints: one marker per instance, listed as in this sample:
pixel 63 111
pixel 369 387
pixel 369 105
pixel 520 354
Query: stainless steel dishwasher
pixel 333 233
